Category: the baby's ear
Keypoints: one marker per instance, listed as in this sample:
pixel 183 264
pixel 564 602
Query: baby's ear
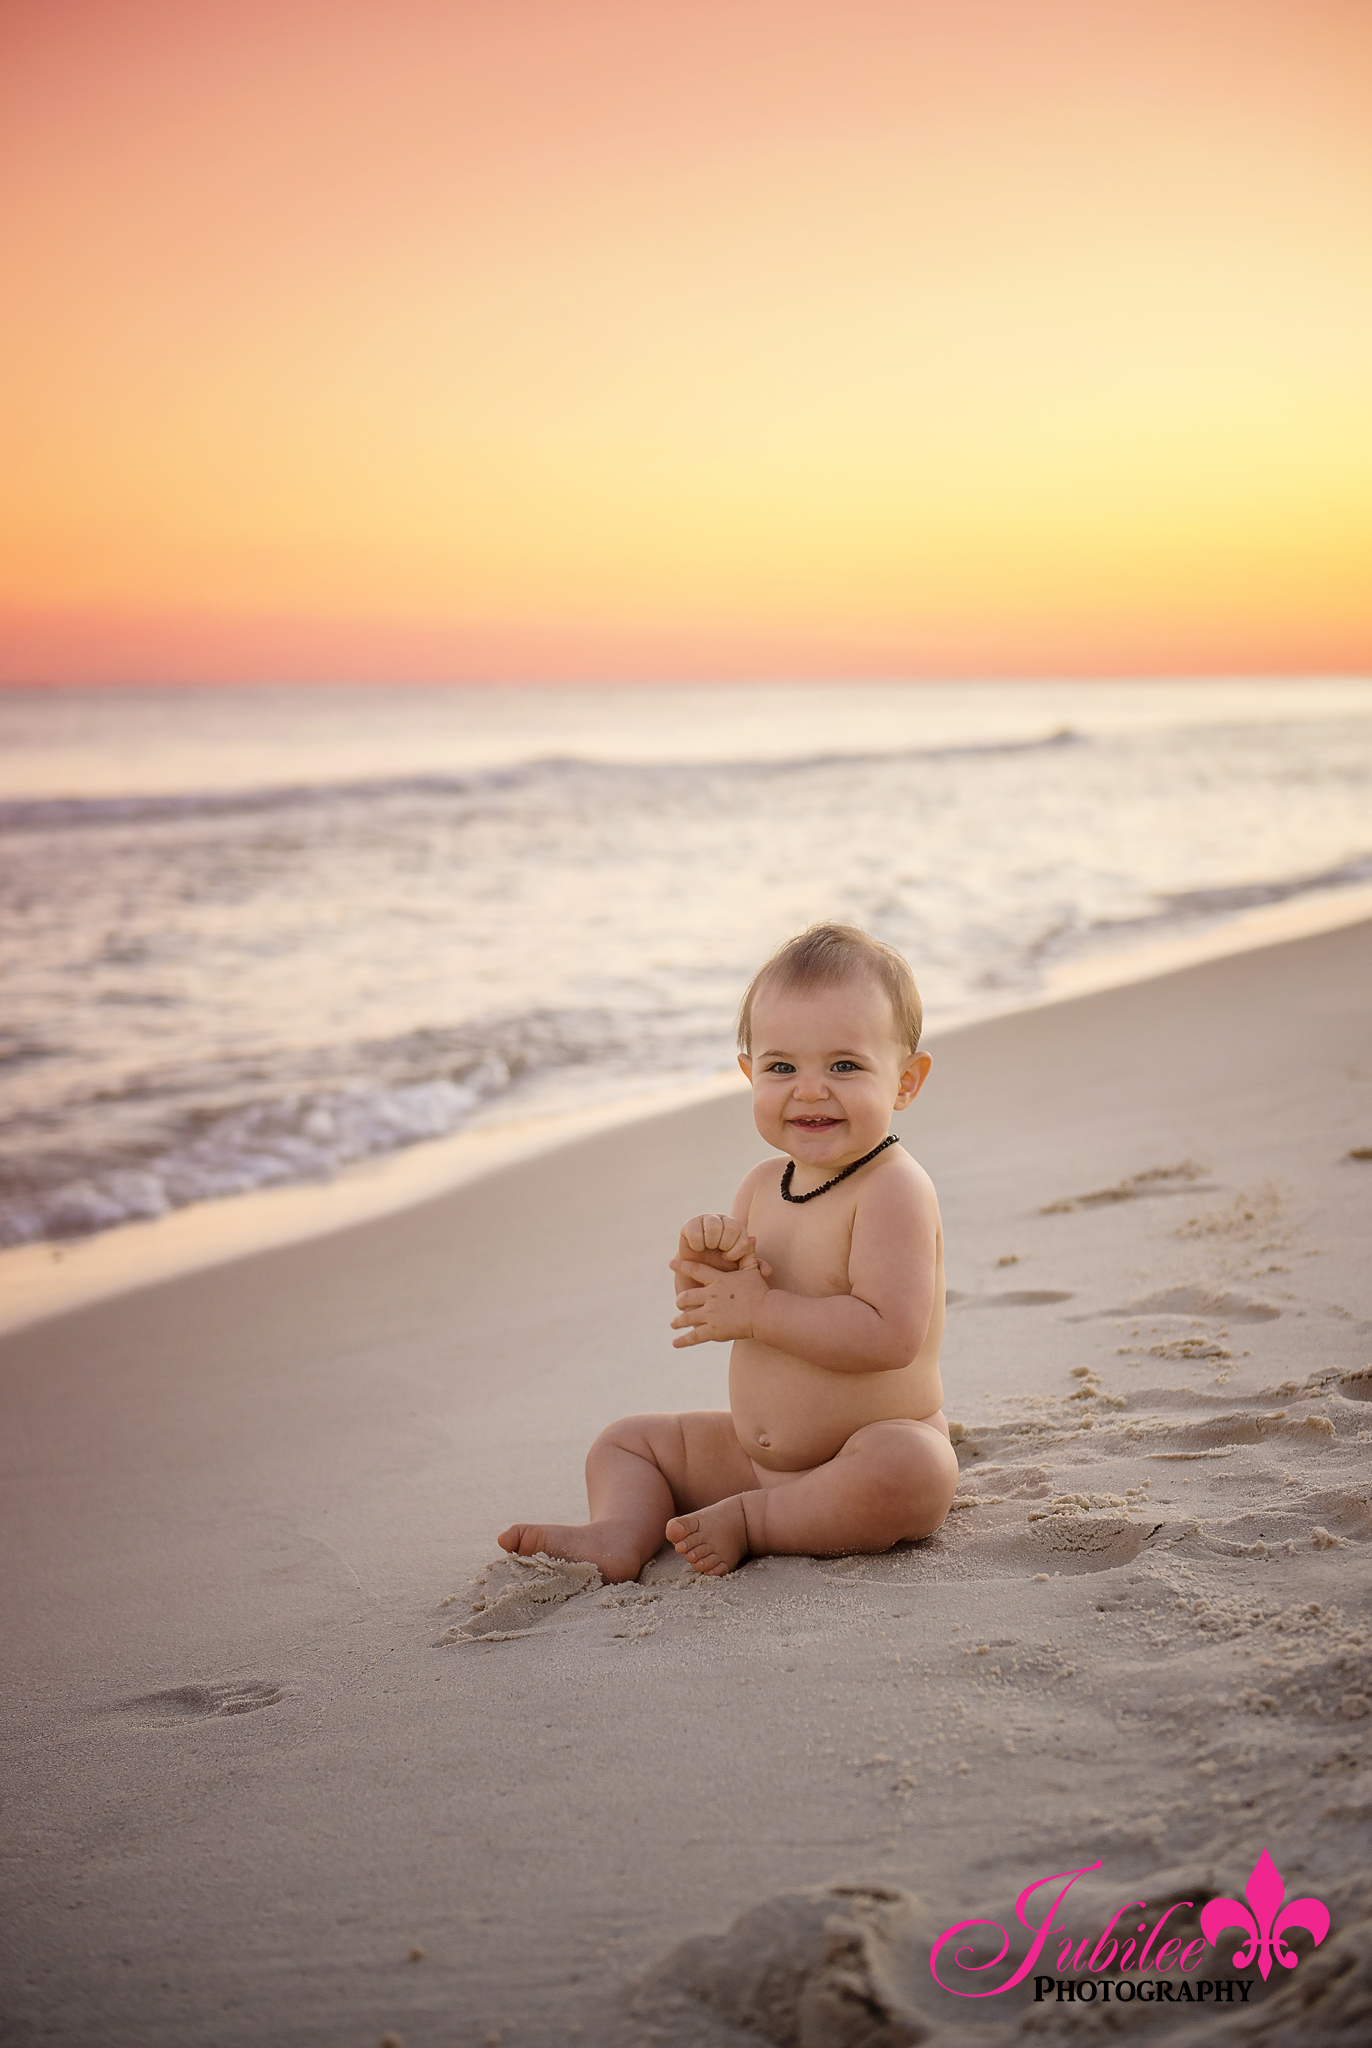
pixel 913 1079
pixel 745 1061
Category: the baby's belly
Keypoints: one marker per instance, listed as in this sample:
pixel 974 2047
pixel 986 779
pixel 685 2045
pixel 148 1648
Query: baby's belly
pixel 790 1415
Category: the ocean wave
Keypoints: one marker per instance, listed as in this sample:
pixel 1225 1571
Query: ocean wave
pixel 38 814
pixel 288 1138
pixel 1075 935
pixel 185 1141
pixel 1189 906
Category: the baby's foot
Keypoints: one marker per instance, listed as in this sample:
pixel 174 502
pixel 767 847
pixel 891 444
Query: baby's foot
pixel 609 1546
pixel 713 1541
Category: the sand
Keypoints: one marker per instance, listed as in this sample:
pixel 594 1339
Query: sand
pixel 287 1761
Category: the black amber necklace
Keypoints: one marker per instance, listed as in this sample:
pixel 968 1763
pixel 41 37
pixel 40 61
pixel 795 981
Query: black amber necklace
pixel 786 1194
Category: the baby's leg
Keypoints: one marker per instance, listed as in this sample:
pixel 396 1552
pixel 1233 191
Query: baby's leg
pixel 891 1482
pixel 639 1472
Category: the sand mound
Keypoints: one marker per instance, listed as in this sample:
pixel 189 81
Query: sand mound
pixel 519 1592
pixel 837 1967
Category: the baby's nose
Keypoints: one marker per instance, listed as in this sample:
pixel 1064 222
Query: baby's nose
pixel 811 1087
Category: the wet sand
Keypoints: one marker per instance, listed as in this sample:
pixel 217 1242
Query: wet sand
pixel 252 1773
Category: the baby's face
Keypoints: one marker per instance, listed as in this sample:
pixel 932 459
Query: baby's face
pixel 827 1070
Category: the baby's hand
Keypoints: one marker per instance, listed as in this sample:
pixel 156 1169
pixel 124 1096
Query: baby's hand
pixel 719 1306
pixel 706 1234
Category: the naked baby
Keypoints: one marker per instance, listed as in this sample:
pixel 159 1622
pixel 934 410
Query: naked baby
pixel 826 1276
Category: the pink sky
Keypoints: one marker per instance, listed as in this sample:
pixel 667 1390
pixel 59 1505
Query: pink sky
pixel 640 340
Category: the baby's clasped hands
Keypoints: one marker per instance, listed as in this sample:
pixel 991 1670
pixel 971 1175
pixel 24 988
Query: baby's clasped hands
pixel 729 1282
pixel 724 1235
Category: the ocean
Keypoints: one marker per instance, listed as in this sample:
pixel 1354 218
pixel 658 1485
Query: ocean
pixel 249 937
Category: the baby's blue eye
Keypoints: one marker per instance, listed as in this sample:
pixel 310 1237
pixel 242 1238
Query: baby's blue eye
pixel 846 1067
pixel 781 1067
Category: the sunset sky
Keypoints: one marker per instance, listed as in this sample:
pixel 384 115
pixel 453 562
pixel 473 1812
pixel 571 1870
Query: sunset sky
pixel 649 339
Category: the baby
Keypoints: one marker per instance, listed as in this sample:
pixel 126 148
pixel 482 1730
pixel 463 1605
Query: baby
pixel 827 1279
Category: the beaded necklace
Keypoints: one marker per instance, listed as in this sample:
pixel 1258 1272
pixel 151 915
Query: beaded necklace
pixel 786 1194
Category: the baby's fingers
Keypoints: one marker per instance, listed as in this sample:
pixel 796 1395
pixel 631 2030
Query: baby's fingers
pixel 693 1324
pixel 703 1274
pixel 703 1233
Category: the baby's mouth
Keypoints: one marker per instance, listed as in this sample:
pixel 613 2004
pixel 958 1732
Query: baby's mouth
pixel 815 1123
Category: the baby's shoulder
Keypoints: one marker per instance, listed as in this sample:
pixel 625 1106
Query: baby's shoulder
pixel 755 1181
pixel 902 1188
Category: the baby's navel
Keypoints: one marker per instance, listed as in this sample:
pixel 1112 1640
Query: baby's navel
pixel 765 1443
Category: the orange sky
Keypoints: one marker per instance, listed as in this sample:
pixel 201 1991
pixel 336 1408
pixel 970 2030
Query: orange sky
pixel 677 338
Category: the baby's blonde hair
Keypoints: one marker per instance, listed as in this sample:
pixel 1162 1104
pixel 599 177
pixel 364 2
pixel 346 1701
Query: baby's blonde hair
pixel 827 954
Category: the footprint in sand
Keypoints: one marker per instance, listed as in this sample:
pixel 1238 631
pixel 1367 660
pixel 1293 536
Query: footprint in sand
pixel 1014 1297
pixel 1194 1301
pixel 1154 1180
pixel 1028 1297
pixel 198 1702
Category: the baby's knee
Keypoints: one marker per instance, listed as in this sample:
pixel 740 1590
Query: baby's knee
pixel 625 1435
pixel 645 1436
pixel 913 1477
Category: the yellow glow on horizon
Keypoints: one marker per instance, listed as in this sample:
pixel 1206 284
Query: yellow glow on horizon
pixel 1001 337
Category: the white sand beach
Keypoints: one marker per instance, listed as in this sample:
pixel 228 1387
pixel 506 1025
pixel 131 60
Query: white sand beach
pixel 265 1787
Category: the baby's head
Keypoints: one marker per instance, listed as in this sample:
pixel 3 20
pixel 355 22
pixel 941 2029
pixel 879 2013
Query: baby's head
pixel 829 1035
pixel 828 956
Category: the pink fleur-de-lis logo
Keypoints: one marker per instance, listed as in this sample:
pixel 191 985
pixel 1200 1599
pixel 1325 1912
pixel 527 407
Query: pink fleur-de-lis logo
pixel 1265 1925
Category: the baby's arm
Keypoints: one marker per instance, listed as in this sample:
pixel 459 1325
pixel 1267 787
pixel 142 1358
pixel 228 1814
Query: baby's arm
pixel 878 1327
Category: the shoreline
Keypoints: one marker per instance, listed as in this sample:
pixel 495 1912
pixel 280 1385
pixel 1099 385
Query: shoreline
pixel 51 1277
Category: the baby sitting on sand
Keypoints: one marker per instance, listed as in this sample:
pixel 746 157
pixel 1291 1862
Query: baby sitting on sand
pixel 826 1277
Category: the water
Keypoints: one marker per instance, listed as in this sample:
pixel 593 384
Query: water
pixel 248 937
